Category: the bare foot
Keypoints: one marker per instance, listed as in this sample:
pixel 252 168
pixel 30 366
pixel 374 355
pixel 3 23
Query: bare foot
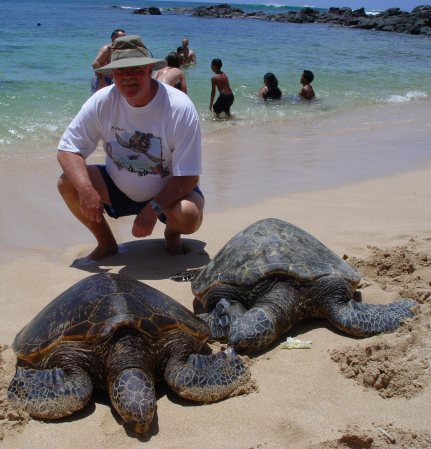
pixel 102 251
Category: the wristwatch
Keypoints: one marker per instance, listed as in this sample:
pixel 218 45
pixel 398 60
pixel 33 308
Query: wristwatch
pixel 156 207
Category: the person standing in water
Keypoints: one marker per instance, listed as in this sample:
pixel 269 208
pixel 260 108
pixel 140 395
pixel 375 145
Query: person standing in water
pixel 221 82
pixel 172 74
pixel 189 54
pixel 103 58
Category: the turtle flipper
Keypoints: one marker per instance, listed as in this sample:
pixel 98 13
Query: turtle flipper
pixel 363 320
pixel 255 330
pixel 220 318
pixel 50 393
pixel 133 395
pixel 207 378
pixel 187 275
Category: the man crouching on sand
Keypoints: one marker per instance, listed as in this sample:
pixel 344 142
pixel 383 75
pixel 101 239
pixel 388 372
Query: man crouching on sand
pixel 152 140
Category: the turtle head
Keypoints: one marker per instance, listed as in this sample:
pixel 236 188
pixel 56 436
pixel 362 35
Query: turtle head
pixel 133 397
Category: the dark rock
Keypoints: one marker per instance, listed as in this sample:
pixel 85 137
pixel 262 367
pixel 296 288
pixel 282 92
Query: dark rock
pixel 391 20
pixel 359 12
pixel 152 10
pixel 223 11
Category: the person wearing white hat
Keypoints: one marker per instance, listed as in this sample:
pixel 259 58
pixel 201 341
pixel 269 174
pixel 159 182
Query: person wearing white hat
pixel 152 140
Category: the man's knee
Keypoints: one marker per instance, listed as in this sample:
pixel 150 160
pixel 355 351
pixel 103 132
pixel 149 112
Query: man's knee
pixel 191 220
pixel 63 185
pixel 186 216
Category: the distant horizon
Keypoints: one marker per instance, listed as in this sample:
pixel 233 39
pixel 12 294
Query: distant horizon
pixel 370 5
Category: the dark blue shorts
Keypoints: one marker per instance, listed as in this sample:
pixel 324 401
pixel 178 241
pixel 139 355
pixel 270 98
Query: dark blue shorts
pixel 223 103
pixel 121 205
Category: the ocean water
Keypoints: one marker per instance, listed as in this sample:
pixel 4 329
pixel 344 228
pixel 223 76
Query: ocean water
pixel 46 50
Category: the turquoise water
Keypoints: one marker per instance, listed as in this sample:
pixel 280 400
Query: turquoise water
pixel 45 70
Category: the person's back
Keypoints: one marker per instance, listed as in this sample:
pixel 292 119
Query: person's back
pixel 221 81
pixel 270 90
pixel 307 92
pixel 103 58
pixel 172 74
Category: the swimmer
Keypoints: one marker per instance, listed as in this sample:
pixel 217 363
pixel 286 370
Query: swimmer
pixel 270 89
pixel 307 92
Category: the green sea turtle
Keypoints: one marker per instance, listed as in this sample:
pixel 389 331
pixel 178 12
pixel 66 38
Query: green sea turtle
pixel 272 275
pixel 118 334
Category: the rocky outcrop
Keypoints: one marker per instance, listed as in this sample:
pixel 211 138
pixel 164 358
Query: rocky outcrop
pixel 393 19
pixel 223 11
pixel 152 11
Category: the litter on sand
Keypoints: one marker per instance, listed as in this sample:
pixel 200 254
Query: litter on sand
pixel 296 343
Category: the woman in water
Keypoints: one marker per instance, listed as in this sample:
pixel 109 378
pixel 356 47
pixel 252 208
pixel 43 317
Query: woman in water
pixel 270 89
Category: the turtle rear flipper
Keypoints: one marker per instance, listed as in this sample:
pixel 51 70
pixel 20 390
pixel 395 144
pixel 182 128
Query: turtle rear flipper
pixel 363 320
pixel 208 378
pixel 50 393
pixel 186 275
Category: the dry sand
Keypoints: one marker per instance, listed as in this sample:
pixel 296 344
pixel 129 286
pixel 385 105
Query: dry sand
pixel 342 393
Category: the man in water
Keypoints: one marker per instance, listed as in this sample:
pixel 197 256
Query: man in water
pixel 189 54
pixel 172 74
pixel 102 58
pixel 221 81
pixel 152 140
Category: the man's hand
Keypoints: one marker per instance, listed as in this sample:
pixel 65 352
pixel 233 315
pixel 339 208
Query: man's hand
pixel 91 205
pixel 144 222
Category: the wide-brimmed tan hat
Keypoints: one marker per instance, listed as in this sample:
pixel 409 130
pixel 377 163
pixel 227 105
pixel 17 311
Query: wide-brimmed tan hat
pixel 130 51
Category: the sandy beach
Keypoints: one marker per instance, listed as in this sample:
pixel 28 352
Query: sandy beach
pixel 359 182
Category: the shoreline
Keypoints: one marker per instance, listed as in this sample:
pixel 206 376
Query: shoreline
pixel 255 165
pixel 280 157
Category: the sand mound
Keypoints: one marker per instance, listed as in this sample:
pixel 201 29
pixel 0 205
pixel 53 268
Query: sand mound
pixel 380 437
pixel 402 269
pixel 10 419
pixel 398 364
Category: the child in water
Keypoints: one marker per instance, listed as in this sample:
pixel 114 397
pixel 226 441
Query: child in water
pixel 307 92
pixel 270 89
pixel 221 81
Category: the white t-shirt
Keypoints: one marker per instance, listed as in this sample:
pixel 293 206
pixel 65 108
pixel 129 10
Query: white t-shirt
pixel 144 145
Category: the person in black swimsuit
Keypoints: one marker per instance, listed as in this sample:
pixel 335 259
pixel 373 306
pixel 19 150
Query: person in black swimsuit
pixel 270 89
pixel 221 81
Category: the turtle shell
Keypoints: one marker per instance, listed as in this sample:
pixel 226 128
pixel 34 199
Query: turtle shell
pixel 94 308
pixel 271 247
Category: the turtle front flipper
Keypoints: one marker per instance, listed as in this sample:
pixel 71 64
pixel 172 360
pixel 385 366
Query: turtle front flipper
pixel 363 320
pixel 272 314
pixel 220 318
pixel 207 378
pixel 50 393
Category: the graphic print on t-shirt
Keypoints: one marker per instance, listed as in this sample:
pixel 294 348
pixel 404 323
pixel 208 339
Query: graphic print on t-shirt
pixel 145 156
